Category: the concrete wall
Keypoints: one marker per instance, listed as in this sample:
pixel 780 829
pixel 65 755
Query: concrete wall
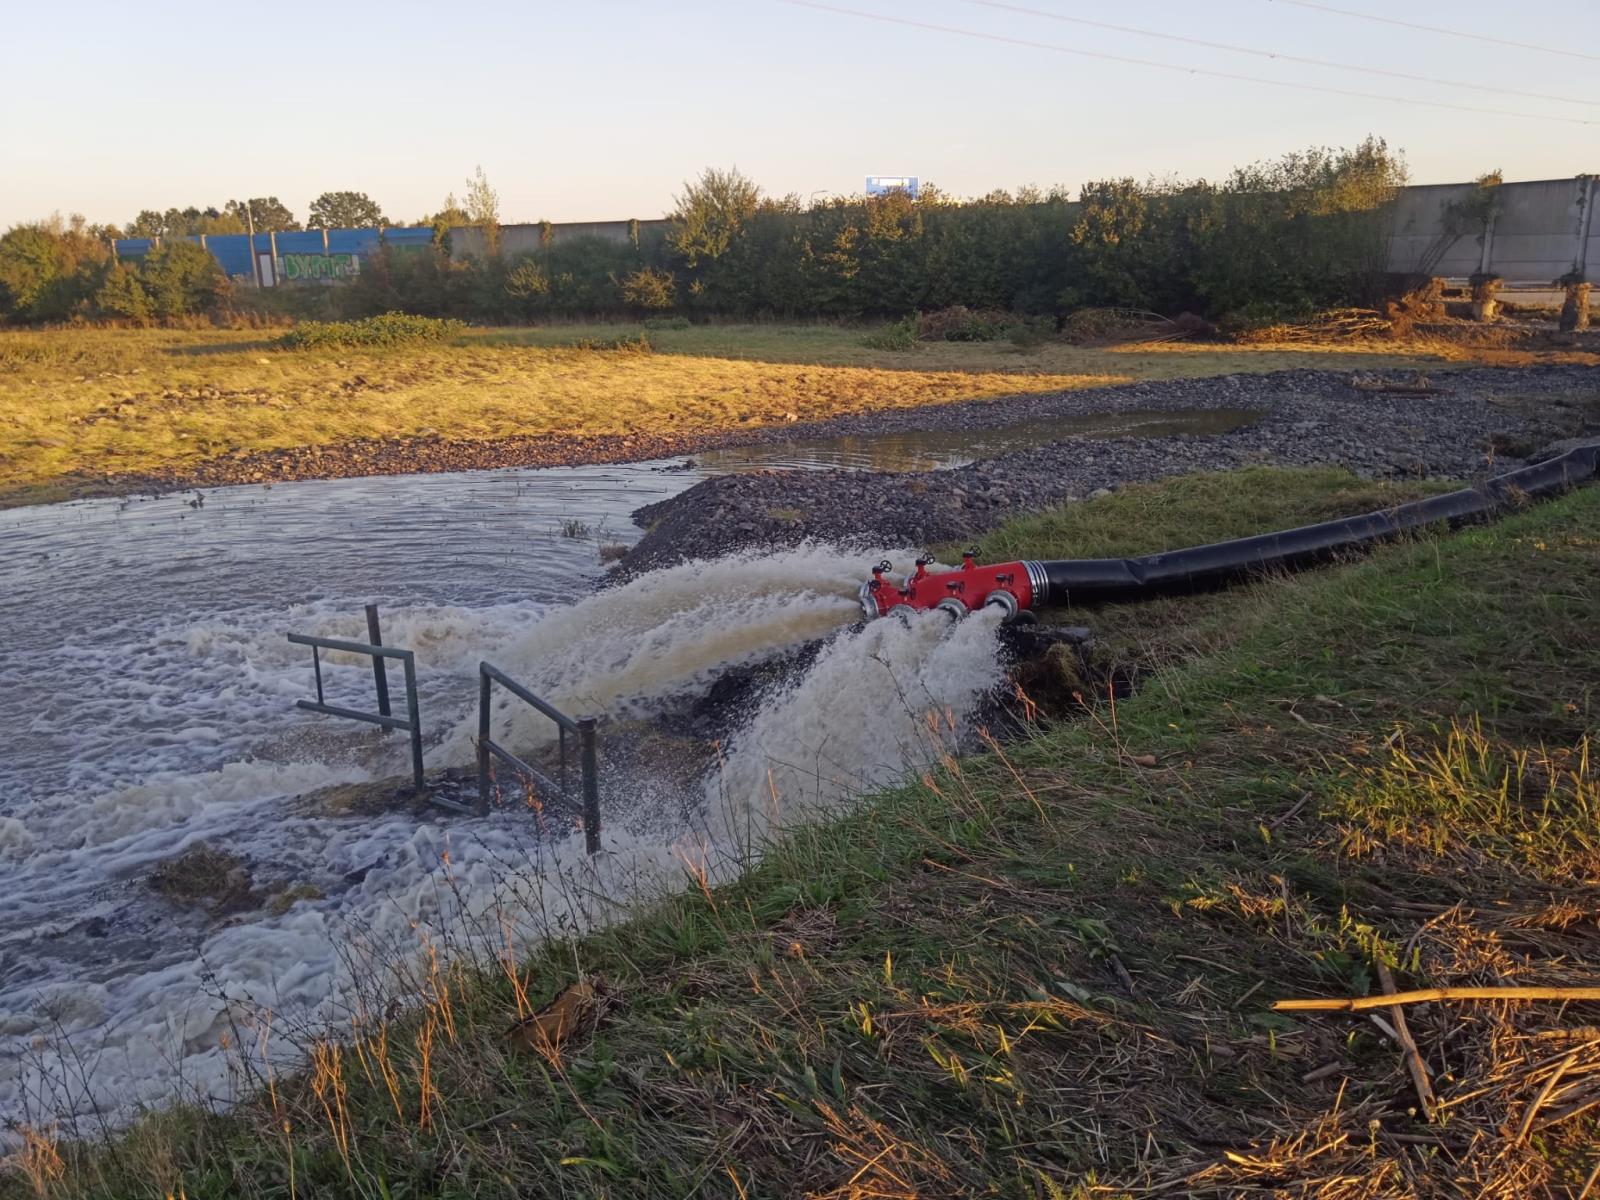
pixel 1543 230
pixel 467 242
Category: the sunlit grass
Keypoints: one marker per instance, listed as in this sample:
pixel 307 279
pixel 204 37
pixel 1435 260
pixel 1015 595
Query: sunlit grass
pixel 81 404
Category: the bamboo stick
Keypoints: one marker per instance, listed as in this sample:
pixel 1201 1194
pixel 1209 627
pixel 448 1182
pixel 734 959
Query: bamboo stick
pixel 1427 995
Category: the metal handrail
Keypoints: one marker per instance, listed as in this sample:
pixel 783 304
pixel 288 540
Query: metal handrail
pixel 523 694
pixel 412 722
pixel 587 804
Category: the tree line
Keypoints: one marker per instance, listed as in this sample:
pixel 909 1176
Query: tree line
pixel 59 270
pixel 265 214
pixel 1272 240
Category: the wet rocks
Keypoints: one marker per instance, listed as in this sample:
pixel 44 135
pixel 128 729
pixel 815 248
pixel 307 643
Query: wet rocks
pixel 1462 430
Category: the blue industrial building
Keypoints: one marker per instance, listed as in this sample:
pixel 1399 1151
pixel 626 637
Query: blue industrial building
pixel 312 256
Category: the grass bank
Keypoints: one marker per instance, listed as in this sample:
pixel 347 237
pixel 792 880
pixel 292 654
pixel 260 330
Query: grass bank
pixel 77 406
pixel 1048 972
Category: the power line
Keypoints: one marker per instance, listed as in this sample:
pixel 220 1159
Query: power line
pixel 1272 54
pixel 1459 33
pixel 1165 66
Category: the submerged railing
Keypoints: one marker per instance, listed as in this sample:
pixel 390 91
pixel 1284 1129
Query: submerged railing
pixel 586 805
pixel 379 653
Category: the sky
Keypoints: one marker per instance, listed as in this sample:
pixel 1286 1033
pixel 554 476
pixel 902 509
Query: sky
pixel 600 110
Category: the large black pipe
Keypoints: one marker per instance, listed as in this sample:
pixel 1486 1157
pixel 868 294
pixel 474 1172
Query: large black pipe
pixel 1087 580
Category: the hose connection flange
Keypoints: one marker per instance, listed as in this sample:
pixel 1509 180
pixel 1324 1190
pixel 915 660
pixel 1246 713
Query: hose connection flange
pixel 1014 587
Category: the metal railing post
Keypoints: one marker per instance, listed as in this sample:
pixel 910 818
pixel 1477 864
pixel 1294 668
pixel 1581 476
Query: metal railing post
pixel 380 675
pixel 414 716
pixel 591 784
pixel 485 784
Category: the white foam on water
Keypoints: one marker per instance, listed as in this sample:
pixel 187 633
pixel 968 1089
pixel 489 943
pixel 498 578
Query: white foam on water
pixel 156 1000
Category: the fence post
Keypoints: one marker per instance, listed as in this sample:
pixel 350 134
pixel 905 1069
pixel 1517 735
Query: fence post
pixel 380 674
pixel 591 784
pixel 485 784
pixel 415 719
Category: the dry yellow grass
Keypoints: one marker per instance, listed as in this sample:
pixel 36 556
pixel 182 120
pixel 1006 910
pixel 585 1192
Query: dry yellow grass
pixel 78 404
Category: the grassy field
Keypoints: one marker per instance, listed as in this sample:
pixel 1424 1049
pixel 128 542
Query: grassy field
pixel 1048 972
pixel 79 405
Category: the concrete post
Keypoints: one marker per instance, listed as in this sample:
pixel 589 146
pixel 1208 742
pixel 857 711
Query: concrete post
pixel 1587 198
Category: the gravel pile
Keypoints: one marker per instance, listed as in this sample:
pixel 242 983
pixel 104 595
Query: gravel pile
pixel 1478 422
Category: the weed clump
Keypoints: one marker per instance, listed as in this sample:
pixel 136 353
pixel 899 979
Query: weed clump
pixel 958 323
pixel 627 343
pixel 899 336
pixel 283 901
pixel 203 875
pixel 391 329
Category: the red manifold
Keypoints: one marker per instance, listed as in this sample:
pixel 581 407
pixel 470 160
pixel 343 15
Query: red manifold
pixel 1013 586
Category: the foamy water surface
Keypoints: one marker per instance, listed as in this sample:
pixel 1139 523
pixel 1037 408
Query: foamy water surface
pixel 147 699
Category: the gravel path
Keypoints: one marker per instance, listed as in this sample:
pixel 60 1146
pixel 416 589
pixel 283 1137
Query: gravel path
pixel 1480 421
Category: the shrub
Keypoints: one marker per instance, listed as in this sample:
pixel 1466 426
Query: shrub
pixel 419 280
pixel 122 296
pixel 1032 333
pixel 900 335
pixel 528 285
pixel 649 289
pixel 31 261
pixel 627 343
pixel 182 280
pixel 48 269
pixel 391 329
pixel 958 323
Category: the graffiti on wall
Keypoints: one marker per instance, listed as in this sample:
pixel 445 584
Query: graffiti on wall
pixel 297 267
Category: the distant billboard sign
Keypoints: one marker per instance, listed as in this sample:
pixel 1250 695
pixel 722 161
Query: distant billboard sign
pixel 882 185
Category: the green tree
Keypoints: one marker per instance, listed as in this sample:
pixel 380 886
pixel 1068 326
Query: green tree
pixel 483 210
pixel 344 210
pixel 32 260
pixel 182 279
pixel 122 295
pixel 451 215
pixel 48 268
pixel 269 213
pixel 147 224
pixel 185 222
pixel 711 214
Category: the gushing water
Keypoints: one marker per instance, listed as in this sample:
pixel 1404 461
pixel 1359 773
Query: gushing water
pixel 92 963
pixel 671 632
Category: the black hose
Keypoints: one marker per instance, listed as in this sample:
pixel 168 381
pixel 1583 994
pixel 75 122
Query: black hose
pixel 1088 580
